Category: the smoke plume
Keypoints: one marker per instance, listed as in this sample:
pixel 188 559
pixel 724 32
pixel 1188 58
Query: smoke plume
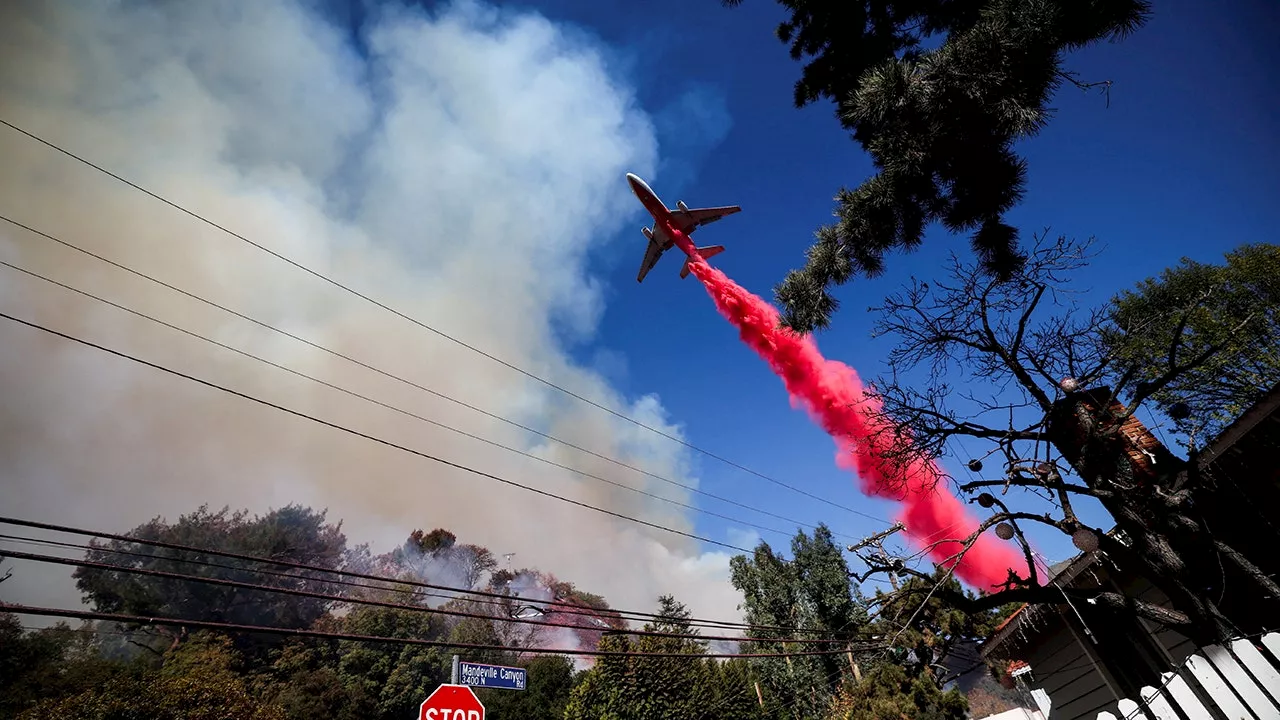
pixel 462 165
pixel 833 395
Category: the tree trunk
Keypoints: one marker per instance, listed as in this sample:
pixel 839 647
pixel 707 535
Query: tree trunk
pixel 1167 548
pixel 1172 569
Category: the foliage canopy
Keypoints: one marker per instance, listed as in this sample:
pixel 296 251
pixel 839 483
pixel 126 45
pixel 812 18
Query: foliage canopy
pixel 938 93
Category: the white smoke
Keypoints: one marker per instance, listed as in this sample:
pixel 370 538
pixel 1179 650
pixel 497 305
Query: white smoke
pixel 462 166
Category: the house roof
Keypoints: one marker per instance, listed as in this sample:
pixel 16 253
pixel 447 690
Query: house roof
pixel 1266 407
pixel 1062 573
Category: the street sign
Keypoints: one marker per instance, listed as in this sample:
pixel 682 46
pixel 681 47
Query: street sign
pixel 492 676
pixel 451 702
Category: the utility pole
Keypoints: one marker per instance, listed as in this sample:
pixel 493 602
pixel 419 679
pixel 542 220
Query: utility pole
pixel 878 538
pixel 857 672
pixel 879 560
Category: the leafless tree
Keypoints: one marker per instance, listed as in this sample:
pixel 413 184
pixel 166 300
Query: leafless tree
pixel 1021 366
pixel 476 563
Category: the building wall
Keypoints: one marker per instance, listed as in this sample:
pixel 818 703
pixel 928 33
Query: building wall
pixel 1061 666
pixel 1175 644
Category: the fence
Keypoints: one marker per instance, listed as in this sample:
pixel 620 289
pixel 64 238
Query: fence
pixel 1237 681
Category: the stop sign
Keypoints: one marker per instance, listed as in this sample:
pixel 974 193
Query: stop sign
pixel 451 702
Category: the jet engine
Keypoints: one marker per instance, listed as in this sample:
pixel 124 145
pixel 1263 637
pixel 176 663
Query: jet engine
pixel 647 232
pixel 680 204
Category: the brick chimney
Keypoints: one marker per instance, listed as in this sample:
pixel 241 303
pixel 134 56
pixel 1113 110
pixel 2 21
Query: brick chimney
pixel 1093 412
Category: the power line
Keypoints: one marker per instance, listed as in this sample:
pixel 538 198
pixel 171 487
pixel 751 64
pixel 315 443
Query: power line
pixel 508 600
pixel 288 576
pixel 483 597
pixel 224 582
pixel 425 326
pixel 267 630
pixel 401 379
pixel 347 573
pixel 90 630
pixel 366 436
pixel 388 406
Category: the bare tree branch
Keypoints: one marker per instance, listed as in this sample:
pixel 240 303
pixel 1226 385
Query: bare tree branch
pixel 1000 357
pixel 1104 86
pixel 1059 486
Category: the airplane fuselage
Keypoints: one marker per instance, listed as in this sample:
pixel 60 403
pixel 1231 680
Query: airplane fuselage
pixel 672 228
pixel 664 228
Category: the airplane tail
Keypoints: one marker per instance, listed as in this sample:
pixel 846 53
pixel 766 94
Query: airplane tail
pixel 705 252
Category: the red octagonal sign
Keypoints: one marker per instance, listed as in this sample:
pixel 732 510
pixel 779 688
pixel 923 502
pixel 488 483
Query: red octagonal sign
pixel 451 702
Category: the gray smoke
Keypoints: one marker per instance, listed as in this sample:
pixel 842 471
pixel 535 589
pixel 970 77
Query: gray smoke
pixel 463 167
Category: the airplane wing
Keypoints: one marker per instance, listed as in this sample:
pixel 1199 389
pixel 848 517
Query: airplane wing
pixel 651 255
pixel 693 218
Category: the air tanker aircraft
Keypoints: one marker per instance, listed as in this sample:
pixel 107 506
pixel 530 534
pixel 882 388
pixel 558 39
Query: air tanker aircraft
pixel 672 227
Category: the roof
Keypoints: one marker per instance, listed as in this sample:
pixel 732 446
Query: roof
pixel 1061 573
pixel 1009 619
pixel 1065 571
pixel 1266 407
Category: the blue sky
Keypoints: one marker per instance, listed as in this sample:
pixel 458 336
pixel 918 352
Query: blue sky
pixel 1182 163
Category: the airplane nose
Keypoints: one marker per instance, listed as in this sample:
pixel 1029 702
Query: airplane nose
pixel 638 186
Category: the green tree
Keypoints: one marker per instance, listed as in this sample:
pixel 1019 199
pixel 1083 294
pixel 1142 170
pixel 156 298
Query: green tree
pixel 396 678
pixel 1228 314
pixel 435 542
pixel 937 93
pixel 813 592
pixel 550 680
pixel 48 664
pixel 890 692
pixel 730 691
pixel 672 688
pixel 292 533
pixel 606 691
pixel 304 680
pixel 930 634
pixel 200 680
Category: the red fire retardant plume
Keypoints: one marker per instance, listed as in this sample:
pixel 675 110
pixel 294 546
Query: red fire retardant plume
pixel 833 395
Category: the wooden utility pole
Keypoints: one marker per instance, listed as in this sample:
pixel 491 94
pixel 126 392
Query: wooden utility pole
pixel 877 538
pixel 879 561
pixel 857 674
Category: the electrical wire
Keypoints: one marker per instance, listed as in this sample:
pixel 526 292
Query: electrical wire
pixel 388 406
pixel 334 353
pixel 87 630
pixel 425 326
pixel 290 632
pixel 295 592
pixel 288 576
pixel 366 436
pixel 563 609
pixel 348 573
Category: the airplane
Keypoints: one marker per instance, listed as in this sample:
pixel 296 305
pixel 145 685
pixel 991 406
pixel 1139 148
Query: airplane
pixel 672 227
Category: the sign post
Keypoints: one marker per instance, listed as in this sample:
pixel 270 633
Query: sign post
pixel 451 702
pixel 492 676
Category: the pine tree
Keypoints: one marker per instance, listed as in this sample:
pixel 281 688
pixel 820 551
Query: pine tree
pixel 940 124
pixel 672 688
